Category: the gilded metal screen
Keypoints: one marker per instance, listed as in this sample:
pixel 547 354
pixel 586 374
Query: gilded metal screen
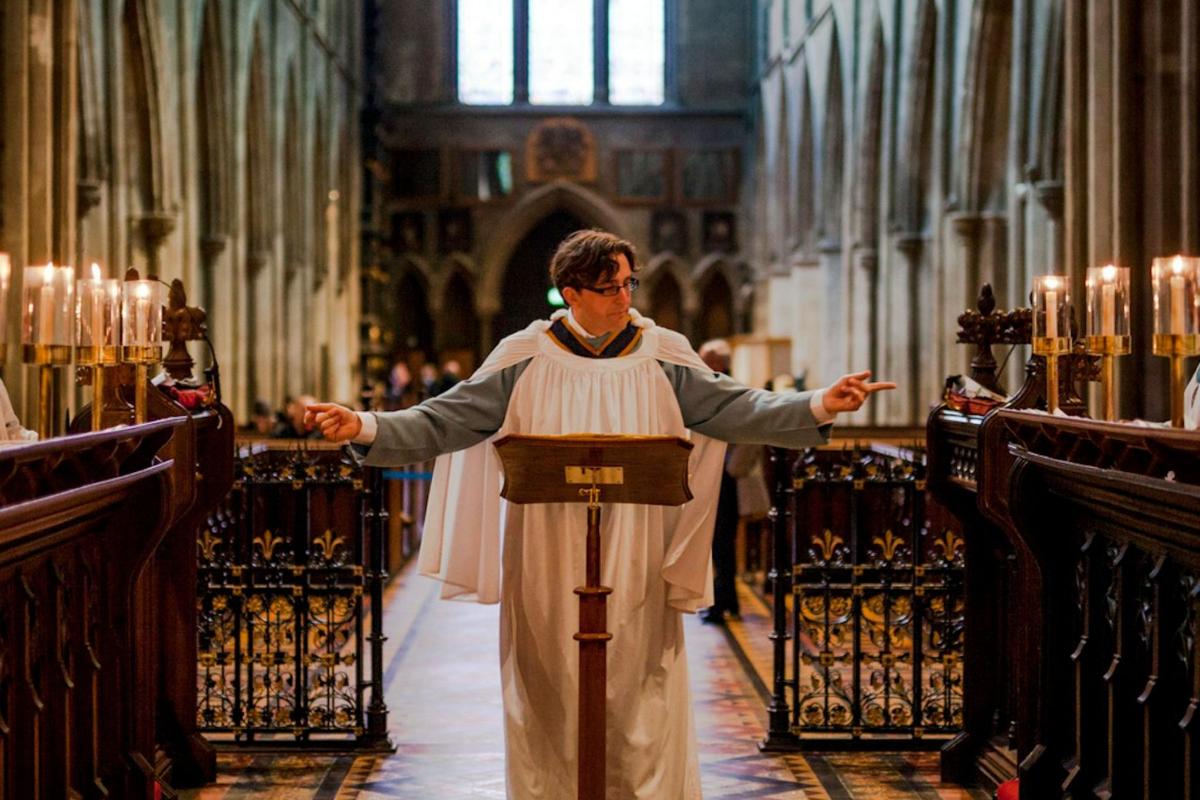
pixel 868 584
pixel 290 569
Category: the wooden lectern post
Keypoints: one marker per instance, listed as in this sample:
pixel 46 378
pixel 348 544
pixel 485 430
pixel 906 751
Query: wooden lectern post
pixel 592 468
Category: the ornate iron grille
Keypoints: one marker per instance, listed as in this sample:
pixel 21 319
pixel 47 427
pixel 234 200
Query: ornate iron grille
pixel 869 592
pixel 290 571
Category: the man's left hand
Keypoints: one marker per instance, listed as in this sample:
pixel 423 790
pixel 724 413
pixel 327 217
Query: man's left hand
pixel 849 392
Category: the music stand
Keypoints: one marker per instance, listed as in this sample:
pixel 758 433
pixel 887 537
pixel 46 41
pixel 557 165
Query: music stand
pixel 594 468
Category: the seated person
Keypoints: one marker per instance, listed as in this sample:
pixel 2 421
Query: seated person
pixel 10 427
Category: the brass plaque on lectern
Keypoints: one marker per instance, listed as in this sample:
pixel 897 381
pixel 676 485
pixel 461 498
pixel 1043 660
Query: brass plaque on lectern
pixel 630 469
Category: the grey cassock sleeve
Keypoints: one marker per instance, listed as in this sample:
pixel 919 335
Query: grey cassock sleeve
pixel 465 415
pixel 715 405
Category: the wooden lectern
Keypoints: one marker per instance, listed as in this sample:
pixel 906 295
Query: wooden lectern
pixel 592 468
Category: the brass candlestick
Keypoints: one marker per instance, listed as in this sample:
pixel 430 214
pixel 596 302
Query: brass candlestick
pixel 141 331
pixel 1051 348
pixel 1177 347
pixel 142 357
pixel 1108 348
pixel 98 358
pixel 1051 299
pixel 46 357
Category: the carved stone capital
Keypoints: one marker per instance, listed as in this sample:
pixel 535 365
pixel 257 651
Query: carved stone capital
pixel 88 196
pixel 155 228
pixel 212 246
pixel 829 246
pixel 909 245
pixel 967 225
pixel 256 260
pixel 1050 195
pixel 867 259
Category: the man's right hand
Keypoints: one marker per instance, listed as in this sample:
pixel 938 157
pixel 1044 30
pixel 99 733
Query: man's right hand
pixel 336 423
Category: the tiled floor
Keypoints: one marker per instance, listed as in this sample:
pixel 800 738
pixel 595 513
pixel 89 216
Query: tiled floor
pixel 443 696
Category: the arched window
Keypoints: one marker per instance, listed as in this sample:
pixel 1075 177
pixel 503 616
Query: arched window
pixel 562 52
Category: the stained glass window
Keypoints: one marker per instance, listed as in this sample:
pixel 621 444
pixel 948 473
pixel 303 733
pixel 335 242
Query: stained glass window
pixel 485 52
pixel 560 52
pixel 636 47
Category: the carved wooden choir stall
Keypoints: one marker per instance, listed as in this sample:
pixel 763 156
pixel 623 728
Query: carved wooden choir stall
pixel 1083 562
pixel 97 590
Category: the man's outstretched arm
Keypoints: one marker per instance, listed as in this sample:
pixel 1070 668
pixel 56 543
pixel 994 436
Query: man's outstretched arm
pixel 718 406
pixel 465 415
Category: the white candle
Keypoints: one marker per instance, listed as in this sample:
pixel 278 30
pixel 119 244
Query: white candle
pixel 1051 314
pixel 141 315
pixel 46 307
pixel 97 292
pixel 1108 301
pixel 1178 284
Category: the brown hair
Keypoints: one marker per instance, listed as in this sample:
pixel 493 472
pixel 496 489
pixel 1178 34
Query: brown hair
pixel 588 258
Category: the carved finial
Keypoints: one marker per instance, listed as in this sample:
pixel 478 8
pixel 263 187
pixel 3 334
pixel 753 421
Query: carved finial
pixel 986 303
pixel 181 324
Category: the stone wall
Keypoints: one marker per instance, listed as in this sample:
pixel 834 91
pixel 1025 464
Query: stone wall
pixel 214 141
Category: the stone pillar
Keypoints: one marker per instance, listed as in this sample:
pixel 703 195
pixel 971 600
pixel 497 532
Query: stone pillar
pixel 832 306
pixel 905 334
pixel 863 322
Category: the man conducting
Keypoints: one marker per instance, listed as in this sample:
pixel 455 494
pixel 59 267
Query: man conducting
pixel 599 367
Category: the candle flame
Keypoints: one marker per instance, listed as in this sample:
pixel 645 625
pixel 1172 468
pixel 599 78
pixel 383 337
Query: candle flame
pixel 5 268
pixel 1177 265
pixel 142 289
pixel 1108 273
pixel 1050 283
pixel 48 274
pixel 95 271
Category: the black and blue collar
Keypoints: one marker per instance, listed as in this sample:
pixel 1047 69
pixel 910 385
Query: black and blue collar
pixel 616 344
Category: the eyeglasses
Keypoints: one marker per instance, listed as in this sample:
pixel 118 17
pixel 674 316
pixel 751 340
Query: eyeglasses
pixel 612 290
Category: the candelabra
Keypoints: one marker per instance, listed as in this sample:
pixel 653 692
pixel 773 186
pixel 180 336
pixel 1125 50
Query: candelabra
pixel 97 325
pixel 1176 320
pixel 1108 326
pixel 1051 299
pixel 141 333
pixel 47 334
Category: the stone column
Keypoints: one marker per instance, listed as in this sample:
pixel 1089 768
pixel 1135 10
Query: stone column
pixel 907 331
pixel 863 321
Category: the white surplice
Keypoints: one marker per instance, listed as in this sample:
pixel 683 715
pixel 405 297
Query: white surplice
pixel 530 558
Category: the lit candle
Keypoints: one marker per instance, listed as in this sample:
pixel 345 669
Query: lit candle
pixel 1108 300
pixel 141 314
pixel 97 292
pixel 1051 308
pixel 46 307
pixel 1178 284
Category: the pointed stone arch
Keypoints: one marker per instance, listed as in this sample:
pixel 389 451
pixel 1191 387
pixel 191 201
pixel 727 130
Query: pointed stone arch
pixel 982 163
pixel 535 206
pixel 914 164
pixel 142 105
pixel 320 198
pixel 458 323
pixel 833 144
pixel 1047 156
pixel 781 208
pixel 258 148
pixel 805 170
pixel 412 322
pixel 295 250
pixel 212 126
pixel 665 265
pixel 718 310
pixel 867 180
pixel 93 157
